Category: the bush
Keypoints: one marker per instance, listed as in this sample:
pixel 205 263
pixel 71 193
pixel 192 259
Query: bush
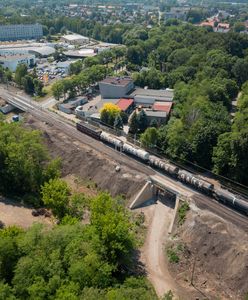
pixel 172 255
pixel 1 224
pixel 168 296
pixel 182 212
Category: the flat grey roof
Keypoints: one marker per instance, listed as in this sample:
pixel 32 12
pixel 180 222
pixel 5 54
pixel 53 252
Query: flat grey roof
pixel 43 50
pixel 10 57
pixel 159 98
pixel 121 81
pixel 153 93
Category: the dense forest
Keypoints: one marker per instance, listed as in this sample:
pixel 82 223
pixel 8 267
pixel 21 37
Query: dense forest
pixel 207 70
pixel 73 261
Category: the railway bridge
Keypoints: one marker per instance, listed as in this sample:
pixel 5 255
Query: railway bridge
pixel 157 189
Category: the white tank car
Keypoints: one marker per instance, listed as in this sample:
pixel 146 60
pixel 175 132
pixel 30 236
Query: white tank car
pixel 188 177
pixel 135 152
pixel 161 164
pixel 232 200
pixel 111 139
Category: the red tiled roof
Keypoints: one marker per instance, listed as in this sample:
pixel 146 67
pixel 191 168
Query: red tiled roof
pixel 224 25
pixel 166 106
pixel 124 104
pixel 209 23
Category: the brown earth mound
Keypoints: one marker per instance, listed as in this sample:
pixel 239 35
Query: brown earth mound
pixel 80 160
pixel 213 257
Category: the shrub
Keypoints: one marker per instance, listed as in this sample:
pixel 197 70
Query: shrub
pixel 172 255
pixel 182 212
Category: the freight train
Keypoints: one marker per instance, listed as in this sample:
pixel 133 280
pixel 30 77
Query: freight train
pixel 168 168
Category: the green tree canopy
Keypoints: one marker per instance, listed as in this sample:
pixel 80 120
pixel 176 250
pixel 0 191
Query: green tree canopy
pixel 55 195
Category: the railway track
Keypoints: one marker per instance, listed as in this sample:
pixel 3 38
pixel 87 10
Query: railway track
pixel 228 214
pixel 69 129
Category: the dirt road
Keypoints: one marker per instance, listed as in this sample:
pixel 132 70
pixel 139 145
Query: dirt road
pixel 158 217
pixel 12 213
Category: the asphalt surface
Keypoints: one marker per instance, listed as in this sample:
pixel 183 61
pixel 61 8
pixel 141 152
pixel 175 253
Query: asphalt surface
pixel 69 128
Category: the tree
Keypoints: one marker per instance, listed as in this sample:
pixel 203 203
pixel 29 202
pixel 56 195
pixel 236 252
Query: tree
pixel 238 27
pixel 51 30
pixel 8 75
pixel 176 142
pixel 55 194
pixel 76 68
pixel 28 85
pixel 19 175
pixel 109 113
pixel 195 15
pixel 45 30
pixel 8 257
pixel 63 30
pixel 91 61
pixel 240 71
pixel 38 86
pixel 57 90
pixel 20 73
pixel 230 157
pixel 6 292
pixel 135 55
pixel 133 125
pixel 142 121
pixel 118 123
pixel 150 137
pixel 112 225
pixel 77 205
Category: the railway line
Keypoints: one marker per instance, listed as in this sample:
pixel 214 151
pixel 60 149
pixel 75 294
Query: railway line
pixel 69 129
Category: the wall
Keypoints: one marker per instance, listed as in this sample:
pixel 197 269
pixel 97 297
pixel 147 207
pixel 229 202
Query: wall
pixel 112 91
pixel 145 194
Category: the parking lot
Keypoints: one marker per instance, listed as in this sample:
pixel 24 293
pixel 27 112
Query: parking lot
pixel 48 71
pixel 97 103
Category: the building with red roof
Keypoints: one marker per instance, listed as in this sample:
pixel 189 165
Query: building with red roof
pixel 162 106
pixel 126 105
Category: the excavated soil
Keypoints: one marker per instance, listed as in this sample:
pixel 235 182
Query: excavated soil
pixel 213 257
pixel 80 160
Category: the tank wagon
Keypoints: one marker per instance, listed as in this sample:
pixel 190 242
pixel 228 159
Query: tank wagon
pixel 162 165
pixel 200 184
pixel 231 200
pixel 182 175
pixel 136 152
pixel 106 137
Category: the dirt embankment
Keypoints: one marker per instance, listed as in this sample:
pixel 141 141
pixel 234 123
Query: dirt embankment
pixel 80 160
pixel 213 257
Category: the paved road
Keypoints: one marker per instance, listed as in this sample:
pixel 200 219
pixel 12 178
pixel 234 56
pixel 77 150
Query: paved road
pixel 68 128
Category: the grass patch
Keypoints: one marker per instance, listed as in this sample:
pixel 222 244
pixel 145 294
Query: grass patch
pixel 168 296
pixel 139 229
pixel 172 256
pixel 182 211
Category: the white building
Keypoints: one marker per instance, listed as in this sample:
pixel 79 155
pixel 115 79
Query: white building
pixel 12 61
pixel 147 97
pixel 75 39
pixel 38 49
